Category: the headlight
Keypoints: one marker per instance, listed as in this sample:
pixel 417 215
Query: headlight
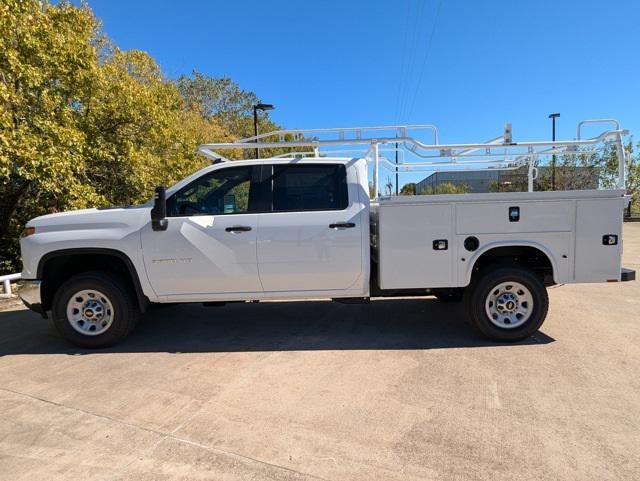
pixel 27 231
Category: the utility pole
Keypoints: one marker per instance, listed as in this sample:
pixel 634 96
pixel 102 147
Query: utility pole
pixel 553 157
pixel 257 107
pixel 396 167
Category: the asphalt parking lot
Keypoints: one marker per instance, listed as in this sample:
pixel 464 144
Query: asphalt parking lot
pixel 395 390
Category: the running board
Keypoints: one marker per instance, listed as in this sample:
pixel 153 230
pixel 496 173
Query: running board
pixel 351 300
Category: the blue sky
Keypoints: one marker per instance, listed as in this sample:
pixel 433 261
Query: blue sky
pixel 467 66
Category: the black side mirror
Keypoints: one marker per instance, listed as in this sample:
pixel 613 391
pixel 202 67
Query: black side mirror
pixel 159 211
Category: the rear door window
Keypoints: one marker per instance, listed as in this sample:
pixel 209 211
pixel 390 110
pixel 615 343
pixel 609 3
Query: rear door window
pixel 309 187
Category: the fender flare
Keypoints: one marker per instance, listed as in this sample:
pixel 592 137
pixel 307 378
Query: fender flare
pixel 497 244
pixel 143 300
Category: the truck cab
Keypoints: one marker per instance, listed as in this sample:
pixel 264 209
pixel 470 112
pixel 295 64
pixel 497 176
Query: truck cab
pixel 263 230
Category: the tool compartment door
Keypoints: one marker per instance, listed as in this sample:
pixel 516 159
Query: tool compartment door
pixel 408 257
pixel 597 260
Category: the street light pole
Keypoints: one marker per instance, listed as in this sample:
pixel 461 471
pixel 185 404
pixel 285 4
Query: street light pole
pixel 255 128
pixel 553 157
pixel 257 107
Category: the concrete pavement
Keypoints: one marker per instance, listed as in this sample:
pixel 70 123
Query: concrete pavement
pixel 395 390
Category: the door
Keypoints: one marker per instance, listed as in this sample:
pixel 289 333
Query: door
pixel 416 246
pixel 598 240
pixel 209 246
pixel 312 239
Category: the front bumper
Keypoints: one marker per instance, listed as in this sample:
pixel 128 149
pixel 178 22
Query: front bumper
pixel 29 292
pixel 627 275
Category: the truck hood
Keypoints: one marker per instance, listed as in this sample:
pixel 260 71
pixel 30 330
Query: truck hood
pixel 100 218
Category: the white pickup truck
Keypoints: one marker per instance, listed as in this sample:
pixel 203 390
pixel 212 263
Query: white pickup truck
pixel 293 228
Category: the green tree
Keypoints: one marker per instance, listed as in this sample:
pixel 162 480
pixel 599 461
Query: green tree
pixel 507 186
pixel 446 188
pixel 608 165
pixel 572 172
pixel 408 189
pixel 47 65
pixel 633 181
pixel 83 123
pixel 511 181
pixel 223 101
pixel 138 132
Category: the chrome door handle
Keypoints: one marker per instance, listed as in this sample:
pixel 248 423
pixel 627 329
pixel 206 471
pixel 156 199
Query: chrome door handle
pixel 342 225
pixel 238 228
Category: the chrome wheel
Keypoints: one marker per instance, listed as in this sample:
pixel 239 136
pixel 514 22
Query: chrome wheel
pixel 90 312
pixel 509 305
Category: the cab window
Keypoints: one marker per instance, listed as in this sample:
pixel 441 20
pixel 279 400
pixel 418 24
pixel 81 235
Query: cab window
pixel 223 191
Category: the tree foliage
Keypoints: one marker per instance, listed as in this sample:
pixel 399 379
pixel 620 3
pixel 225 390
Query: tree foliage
pixel 408 189
pixel 84 123
pixel 223 101
pixel 446 188
pixel 219 98
pixel 608 168
pixel 572 172
pixel 586 170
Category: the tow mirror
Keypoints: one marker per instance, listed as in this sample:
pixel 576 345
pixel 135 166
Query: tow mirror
pixel 159 211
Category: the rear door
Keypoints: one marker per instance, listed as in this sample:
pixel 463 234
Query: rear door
pixel 312 238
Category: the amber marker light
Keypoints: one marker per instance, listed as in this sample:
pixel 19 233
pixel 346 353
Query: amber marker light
pixel 27 231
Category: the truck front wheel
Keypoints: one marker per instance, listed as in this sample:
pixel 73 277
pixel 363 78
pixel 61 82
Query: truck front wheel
pixel 507 303
pixel 94 310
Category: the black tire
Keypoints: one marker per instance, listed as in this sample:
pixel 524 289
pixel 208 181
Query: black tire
pixel 122 300
pixel 477 302
pixel 453 295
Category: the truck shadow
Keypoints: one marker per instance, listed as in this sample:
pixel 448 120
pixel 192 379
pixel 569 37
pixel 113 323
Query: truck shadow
pixel 416 323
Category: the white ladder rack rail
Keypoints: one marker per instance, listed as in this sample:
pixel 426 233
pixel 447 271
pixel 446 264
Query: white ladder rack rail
pixel 501 152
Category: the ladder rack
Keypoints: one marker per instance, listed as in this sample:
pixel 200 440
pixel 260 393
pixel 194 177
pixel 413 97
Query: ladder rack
pixel 498 153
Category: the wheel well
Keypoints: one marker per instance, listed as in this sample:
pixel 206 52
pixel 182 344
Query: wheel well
pixel 526 256
pixel 57 267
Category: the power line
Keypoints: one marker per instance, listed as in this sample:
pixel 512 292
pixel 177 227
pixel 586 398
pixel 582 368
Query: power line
pixel 402 61
pixel 415 41
pixel 413 44
pixel 425 59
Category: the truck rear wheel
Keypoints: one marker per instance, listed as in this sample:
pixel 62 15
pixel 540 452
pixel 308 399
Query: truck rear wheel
pixel 507 303
pixel 94 310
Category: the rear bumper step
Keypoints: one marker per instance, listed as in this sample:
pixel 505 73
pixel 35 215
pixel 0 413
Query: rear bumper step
pixel 627 275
